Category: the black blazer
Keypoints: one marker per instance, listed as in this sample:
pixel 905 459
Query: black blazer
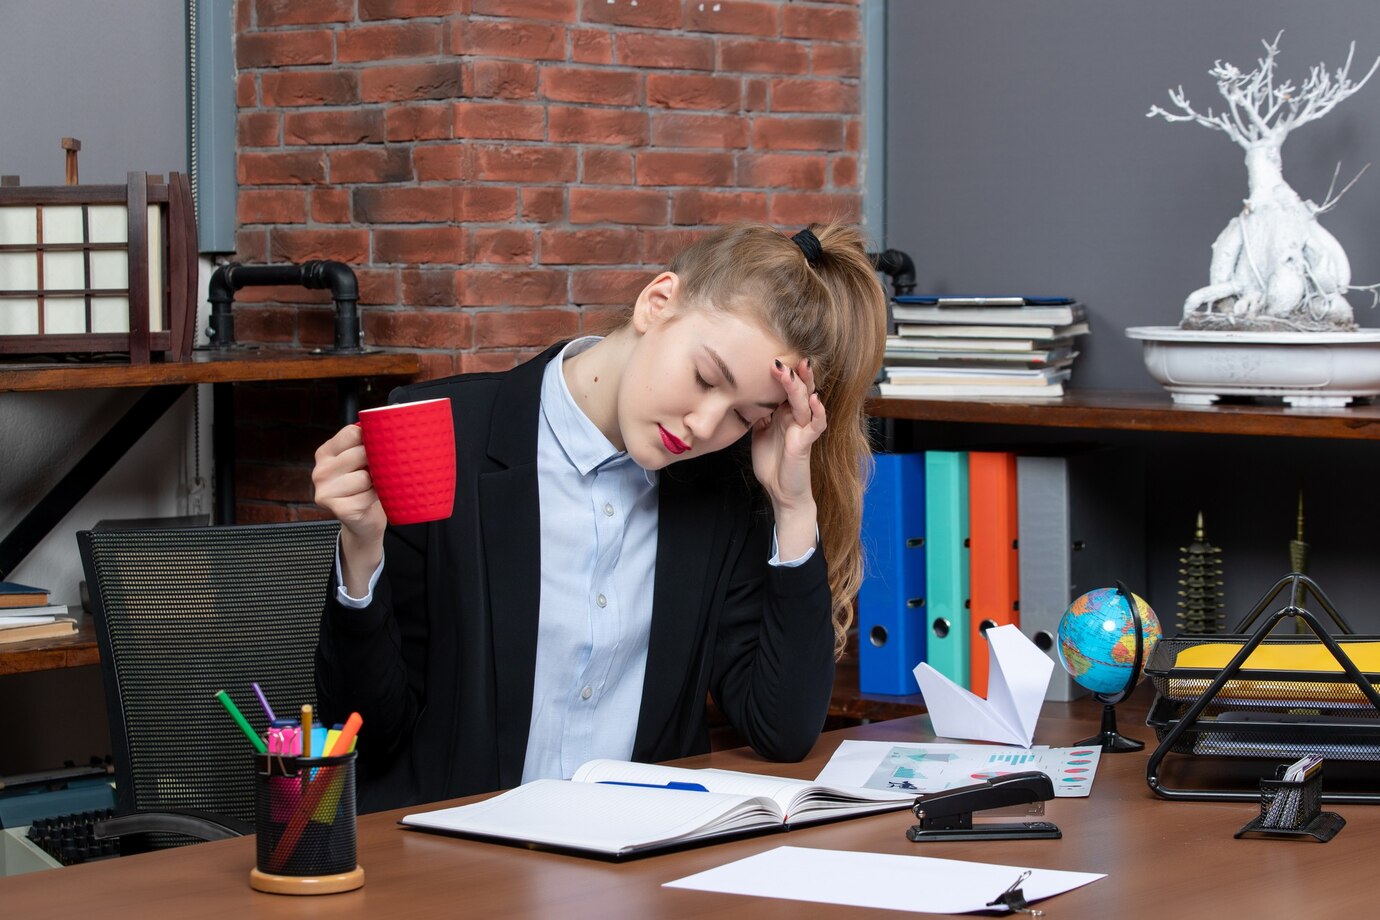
pixel 441 663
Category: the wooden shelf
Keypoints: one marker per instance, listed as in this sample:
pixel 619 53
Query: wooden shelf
pixel 1097 410
pixel 1135 410
pixel 235 365
pixel 49 654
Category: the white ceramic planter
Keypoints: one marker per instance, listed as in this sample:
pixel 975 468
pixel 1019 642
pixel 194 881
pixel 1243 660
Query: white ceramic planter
pixel 1198 367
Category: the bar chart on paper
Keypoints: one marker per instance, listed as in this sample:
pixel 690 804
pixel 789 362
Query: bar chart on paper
pixel 1013 759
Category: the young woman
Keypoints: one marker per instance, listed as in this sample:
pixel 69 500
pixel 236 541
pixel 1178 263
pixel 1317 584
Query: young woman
pixel 640 521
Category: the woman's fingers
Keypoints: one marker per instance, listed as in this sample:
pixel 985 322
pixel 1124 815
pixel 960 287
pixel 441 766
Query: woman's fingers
pixel 341 474
pixel 797 388
pixel 818 419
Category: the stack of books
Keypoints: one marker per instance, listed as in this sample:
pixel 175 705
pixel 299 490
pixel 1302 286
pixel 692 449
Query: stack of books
pixel 1007 347
pixel 26 614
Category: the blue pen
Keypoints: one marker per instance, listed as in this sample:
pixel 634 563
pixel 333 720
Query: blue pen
pixel 674 784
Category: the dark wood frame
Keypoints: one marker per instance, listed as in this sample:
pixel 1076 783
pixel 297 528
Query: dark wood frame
pixel 179 274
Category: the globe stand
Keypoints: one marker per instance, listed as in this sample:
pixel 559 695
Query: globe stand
pixel 1111 740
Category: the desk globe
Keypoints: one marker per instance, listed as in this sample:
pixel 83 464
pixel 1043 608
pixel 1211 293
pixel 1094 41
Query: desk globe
pixel 1103 645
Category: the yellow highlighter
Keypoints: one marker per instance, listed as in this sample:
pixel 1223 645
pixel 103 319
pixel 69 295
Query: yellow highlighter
pixel 306 730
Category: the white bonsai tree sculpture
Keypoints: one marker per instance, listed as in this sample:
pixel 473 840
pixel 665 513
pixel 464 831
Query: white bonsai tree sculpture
pixel 1274 266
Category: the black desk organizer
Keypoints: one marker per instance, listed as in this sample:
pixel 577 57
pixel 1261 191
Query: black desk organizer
pixel 1293 809
pixel 1268 714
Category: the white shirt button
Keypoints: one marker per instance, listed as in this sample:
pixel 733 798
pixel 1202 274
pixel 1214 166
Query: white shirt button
pixel 601 601
pixel 586 693
pixel 608 508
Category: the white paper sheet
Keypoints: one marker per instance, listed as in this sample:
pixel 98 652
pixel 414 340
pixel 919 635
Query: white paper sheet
pixel 917 768
pixel 916 883
pixel 1016 683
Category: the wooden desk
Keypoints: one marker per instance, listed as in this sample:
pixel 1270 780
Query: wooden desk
pixel 1175 859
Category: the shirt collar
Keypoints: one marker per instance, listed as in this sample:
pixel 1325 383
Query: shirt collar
pixel 581 440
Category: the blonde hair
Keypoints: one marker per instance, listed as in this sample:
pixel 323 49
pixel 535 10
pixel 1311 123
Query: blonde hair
pixel 834 313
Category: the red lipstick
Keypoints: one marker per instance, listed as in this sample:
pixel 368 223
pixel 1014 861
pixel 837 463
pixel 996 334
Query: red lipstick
pixel 674 444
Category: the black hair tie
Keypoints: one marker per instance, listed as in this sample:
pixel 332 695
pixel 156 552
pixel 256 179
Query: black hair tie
pixel 809 244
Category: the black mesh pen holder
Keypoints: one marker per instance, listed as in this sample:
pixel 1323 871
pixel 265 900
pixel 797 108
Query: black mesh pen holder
pixel 304 818
pixel 1293 809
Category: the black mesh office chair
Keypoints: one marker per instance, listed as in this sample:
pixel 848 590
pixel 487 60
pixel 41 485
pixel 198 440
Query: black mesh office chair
pixel 181 614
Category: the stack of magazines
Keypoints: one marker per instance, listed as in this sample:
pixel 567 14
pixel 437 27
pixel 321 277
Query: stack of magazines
pixel 1008 347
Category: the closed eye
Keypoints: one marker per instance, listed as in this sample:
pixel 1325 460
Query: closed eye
pixel 706 385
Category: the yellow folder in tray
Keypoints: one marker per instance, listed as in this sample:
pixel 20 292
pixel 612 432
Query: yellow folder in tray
pixel 1302 657
pixel 1310 656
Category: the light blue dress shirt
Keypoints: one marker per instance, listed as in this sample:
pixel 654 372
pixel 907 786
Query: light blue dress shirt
pixel 598 565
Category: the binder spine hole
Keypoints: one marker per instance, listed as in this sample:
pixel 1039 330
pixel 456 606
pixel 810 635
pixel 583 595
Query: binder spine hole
pixel 941 628
pixel 915 602
pixel 914 542
pixel 1043 640
pixel 984 626
pixel 877 636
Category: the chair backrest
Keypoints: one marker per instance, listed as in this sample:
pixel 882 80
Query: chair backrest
pixel 181 614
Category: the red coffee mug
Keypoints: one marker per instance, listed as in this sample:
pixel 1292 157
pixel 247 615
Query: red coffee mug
pixel 411 455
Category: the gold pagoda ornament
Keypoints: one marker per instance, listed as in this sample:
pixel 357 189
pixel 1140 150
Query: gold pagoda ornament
pixel 1200 605
pixel 1298 560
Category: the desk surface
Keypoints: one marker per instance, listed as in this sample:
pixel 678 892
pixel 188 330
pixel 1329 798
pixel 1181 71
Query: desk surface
pixel 1161 858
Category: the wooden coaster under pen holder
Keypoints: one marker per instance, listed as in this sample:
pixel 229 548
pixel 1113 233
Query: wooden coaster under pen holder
pixel 1293 809
pixel 304 818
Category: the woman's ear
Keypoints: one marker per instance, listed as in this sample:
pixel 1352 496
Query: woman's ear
pixel 657 302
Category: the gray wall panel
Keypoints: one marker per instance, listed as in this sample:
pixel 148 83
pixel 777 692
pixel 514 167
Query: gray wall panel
pixel 1020 158
pixel 112 74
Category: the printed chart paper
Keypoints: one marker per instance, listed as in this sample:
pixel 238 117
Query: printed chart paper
pixel 935 767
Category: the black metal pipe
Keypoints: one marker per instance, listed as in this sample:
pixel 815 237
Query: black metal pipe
pixel 338 277
pixel 347 397
pixel 899 267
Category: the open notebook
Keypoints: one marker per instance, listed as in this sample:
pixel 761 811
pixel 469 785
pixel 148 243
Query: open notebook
pixel 616 809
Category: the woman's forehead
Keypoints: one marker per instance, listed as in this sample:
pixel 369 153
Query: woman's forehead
pixel 741 336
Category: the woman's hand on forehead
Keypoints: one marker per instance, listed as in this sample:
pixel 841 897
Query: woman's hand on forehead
pixel 799 382
pixel 781 448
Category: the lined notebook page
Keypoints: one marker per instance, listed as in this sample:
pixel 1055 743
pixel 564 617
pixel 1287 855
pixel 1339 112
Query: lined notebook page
pixel 593 816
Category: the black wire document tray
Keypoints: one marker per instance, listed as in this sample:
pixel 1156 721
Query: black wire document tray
pixel 1254 695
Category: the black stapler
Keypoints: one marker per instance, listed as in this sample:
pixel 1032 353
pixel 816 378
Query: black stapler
pixel 948 815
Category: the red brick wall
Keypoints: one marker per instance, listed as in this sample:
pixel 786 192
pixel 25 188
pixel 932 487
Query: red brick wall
pixel 502 172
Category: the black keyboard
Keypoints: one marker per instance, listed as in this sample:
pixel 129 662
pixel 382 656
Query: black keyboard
pixel 70 839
